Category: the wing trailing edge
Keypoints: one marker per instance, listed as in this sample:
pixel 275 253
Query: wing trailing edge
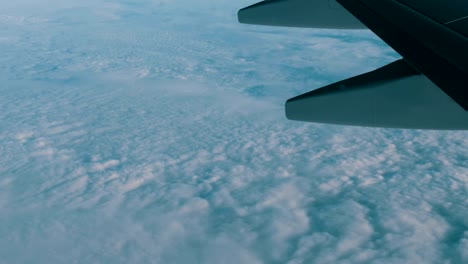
pixel 394 96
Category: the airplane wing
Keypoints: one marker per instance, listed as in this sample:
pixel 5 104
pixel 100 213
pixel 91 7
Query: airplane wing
pixel 427 89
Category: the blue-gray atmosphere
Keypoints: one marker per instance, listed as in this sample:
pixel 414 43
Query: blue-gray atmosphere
pixel 153 131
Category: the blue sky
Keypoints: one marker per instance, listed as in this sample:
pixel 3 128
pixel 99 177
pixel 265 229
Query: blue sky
pixel 154 132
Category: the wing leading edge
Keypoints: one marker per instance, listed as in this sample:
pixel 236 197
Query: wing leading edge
pixel 428 89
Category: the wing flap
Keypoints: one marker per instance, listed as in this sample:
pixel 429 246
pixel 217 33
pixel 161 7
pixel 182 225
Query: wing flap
pixel 394 96
pixel 300 13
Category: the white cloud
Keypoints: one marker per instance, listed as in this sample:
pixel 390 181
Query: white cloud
pixel 463 247
pixel 24 136
pixel 105 165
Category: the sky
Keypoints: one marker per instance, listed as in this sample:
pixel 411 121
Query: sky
pixel 154 132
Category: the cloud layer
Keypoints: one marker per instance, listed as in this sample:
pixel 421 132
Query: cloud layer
pixel 155 133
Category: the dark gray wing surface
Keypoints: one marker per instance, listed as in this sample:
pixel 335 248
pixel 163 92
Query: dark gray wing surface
pixel 432 47
pixel 428 89
pixel 300 13
pixel 394 96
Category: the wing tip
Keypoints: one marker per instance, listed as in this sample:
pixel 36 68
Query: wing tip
pixel 394 96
